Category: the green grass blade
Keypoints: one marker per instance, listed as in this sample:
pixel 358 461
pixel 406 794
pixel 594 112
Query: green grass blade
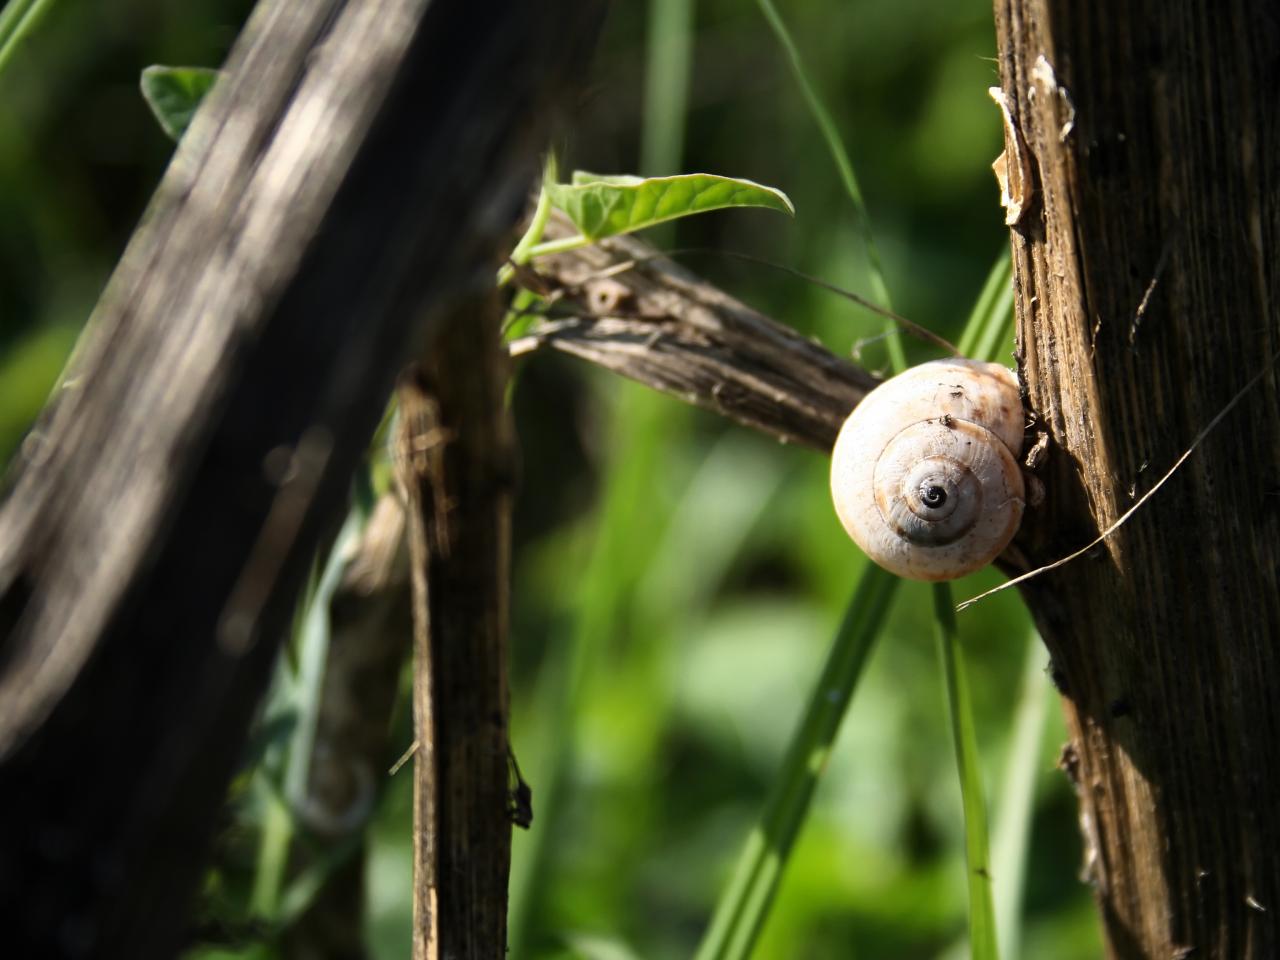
pixel 666 111
pixel 740 914
pixel 745 902
pixel 669 56
pixel 840 156
pixel 669 39
pixel 982 923
pixel 306 690
pixel 991 313
pixel 1017 796
pixel 989 326
pixel 17 20
pixel 626 533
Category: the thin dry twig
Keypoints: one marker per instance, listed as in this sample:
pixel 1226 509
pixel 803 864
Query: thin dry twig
pixel 907 326
pixel 641 315
pixel 1146 296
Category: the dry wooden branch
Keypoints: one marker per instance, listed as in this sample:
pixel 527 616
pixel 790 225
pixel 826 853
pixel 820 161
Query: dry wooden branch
pixel 456 463
pixel 356 162
pixel 659 324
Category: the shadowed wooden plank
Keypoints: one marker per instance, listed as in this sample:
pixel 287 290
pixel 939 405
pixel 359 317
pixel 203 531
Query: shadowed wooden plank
pixel 356 163
pixel 1145 278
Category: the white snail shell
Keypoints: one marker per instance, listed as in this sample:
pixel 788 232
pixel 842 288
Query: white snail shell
pixel 925 475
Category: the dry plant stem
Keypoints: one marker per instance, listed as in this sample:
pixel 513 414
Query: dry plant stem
pixel 456 465
pixel 355 161
pixel 1154 132
pixel 659 324
pixel 639 314
pixel 370 631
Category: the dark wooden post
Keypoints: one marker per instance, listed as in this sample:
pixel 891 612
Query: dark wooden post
pixel 1147 280
pixel 457 468
pixel 358 161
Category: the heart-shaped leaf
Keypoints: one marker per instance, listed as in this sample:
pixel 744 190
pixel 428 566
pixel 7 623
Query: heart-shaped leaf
pixel 604 206
pixel 174 93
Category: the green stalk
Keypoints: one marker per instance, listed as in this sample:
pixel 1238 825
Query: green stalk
pixel 987 325
pixel 998 335
pixel 835 146
pixel 668 63
pixel 669 57
pixel 563 245
pixel 537 223
pixel 622 526
pixel 744 905
pixel 17 20
pixel 982 923
pixel 982 331
pixel 273 856
pixel 312 631
pixel 525 249
pixel 1017 796
pixel 625 536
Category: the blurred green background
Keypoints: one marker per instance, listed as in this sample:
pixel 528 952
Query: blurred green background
pixel 677 579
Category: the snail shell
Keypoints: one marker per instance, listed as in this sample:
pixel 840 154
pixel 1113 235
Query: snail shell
pixel 924 474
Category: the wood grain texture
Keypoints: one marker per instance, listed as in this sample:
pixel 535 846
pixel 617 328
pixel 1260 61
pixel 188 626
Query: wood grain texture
pixel 356 162
pixel 659 324
pixel 456 463
pixel 1146 278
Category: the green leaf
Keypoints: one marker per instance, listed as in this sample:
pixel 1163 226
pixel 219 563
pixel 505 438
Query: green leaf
pixel 604 206
pixel 582 178
pixel 174 93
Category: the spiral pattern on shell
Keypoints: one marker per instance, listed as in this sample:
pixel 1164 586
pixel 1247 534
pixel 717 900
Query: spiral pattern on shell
pixel 924 474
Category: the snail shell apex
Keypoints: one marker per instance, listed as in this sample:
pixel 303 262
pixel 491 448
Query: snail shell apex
pixel 924 474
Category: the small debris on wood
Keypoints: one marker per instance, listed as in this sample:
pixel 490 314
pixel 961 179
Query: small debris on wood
pixel 1013 167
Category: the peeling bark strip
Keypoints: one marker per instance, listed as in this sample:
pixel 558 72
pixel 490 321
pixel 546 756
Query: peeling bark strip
pixel 657 323
pixel 456 465
pixel 1148 292
pixel 355 161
